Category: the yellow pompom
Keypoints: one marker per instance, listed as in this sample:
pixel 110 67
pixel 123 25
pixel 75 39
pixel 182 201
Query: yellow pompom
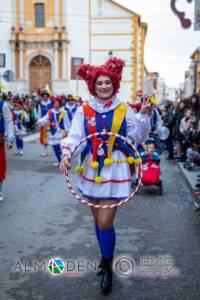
pixel 94 165
pixel 137 161
pixel 79 169
pixel 130 160
pixel 153 101
pixel 108 162
pixel 2 86
pixel 98 179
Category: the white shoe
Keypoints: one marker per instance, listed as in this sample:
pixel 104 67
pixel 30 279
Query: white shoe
pixel 1 197
pixel 44 153
pixel 21 153
pixel 56 164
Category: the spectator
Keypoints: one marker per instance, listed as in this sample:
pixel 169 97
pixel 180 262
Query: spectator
pixel 178 116
pixel 168 121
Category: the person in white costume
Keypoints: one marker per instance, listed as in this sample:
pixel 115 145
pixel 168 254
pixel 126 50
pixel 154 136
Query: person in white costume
pixel 104 169
pixel 59 124
pixel 44 106
pixel 20 118
pixel 70 106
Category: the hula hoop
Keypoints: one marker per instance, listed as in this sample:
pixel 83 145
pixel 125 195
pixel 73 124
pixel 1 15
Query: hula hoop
pixel 87 202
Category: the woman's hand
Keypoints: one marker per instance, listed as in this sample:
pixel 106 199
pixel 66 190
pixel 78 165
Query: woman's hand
pixel 38 124
pixel 65 164
pixel 146 108
pixel 9 145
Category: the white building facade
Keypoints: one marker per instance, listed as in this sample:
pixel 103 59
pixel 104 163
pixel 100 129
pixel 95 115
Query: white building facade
pixel 45 41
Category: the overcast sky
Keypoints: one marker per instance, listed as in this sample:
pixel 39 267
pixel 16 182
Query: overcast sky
pixel 168 46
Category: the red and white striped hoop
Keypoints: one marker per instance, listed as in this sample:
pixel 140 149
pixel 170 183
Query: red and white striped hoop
pixel 89 203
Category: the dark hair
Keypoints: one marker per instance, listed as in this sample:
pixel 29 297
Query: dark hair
pixel 195 106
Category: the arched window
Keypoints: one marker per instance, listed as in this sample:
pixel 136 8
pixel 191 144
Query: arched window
pixel 39 15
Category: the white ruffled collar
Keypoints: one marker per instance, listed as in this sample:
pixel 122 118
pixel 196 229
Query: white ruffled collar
pixel 46 103
pixel 99 107
pixel 56 111
pixel 70 106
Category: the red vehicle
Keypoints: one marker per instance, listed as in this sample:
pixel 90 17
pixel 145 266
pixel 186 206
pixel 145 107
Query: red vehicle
pixel 151 173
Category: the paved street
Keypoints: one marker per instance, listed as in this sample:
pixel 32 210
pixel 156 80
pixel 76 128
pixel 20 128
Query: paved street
pixel 40 220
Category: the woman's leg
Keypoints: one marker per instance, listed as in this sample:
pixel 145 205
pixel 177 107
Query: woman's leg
pixel 107 231
pixel 95 212
pixel 178 148
pixel 170 147
pixel 107 243
pixel 17 142
pixel 57 151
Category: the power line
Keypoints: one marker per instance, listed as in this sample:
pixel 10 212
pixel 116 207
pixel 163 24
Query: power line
pixel 96 31
pixel 83 15
pixel 86 21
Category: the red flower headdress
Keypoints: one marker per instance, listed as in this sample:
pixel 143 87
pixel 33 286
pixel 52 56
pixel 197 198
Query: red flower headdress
pixel 112 68
pixel 58 99
pixel 18 102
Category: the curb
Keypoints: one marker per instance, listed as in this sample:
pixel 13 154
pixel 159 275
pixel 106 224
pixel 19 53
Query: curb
pixel 190 178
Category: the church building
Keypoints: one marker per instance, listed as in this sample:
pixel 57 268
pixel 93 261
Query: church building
pixel 45 41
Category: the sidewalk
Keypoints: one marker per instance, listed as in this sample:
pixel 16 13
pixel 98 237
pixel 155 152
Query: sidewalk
pixel 191 176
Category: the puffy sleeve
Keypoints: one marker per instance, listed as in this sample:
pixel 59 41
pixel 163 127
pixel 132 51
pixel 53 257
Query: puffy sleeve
pixel 44 120
pixel 39 111
pixel 66 123
pixel 9 128
pixel 26 117
pixel 137 126
pixel 76 134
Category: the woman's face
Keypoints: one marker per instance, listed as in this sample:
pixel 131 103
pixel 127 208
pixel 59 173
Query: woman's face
pixel 56 105
pixel 188 113
pixel 104 87
pixel 175 104
pixel 194 100
pixel 181 105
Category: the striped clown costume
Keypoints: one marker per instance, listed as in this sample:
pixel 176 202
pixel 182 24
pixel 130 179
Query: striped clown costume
pixel 70 107
pixel 106 162
pixel 20 119
pixel 58 123
pixel 43 109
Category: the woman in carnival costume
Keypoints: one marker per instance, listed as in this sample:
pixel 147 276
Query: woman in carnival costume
pixel 20 119
pixel 44 106
pixel 58 123
pixel 70 106
pixel 105 174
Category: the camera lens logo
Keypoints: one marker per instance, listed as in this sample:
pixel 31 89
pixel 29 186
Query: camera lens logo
pixel 56 266
pixel 124 266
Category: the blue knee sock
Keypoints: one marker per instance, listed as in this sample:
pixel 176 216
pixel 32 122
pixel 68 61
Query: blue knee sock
pixel 107 242
pixel 57 151
pixel 19 143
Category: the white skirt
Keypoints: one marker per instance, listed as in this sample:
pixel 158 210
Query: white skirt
pixel 116 179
